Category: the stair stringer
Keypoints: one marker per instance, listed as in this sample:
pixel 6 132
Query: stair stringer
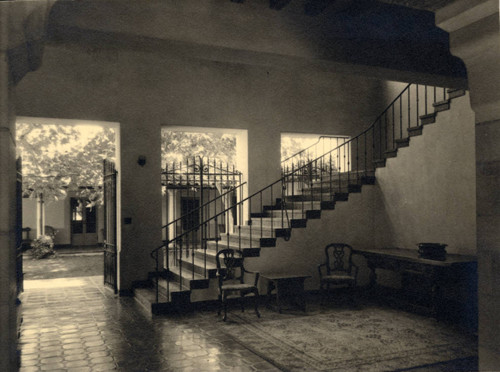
pixel 305 250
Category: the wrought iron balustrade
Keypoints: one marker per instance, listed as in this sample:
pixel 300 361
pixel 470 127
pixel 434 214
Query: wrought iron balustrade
pixel 305 187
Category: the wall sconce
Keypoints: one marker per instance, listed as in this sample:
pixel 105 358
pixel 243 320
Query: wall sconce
pixel 141 160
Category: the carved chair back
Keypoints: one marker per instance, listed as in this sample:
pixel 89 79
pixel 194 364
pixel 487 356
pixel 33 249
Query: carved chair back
pixel 230 265
pixel 338 258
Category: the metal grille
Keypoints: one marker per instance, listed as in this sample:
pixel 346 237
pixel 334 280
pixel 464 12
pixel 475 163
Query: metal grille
pixel 110 248
pixel 19 226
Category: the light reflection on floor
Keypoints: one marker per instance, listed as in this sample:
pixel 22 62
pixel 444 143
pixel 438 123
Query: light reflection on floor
pixel 76 324
pixel 54 283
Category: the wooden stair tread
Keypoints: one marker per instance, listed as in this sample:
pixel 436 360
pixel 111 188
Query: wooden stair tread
pixel 188 277
pixel 237 236
pixel 232 244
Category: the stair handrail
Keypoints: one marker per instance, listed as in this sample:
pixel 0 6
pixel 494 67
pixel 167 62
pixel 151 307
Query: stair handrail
pixel 368 128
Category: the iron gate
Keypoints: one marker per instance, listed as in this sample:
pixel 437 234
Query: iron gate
pixel 110 248
pixel 19 227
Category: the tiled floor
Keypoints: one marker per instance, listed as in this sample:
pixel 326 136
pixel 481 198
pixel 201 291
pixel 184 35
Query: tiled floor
pixel 74 324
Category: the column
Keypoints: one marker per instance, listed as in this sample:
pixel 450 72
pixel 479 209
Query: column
pixel 22 27
pixel 8 311
pixel 475 38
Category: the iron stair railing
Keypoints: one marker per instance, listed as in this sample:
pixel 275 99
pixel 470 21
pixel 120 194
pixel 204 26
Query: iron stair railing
pixel 179 248
pixel 305 189
pixel 314 150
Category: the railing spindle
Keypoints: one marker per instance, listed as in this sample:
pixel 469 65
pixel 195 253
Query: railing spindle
pixel 417 106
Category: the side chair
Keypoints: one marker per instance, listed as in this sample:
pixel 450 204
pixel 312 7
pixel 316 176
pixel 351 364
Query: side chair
pixel 231 274
pixel 338 268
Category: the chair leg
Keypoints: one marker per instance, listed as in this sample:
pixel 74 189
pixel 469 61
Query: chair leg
pixel 256 303
pixel 225 307
pixel 220 305
pixel 321 294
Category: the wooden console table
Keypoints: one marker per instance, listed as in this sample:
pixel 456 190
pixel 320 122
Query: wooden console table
pixel 453 271
pixel 289 290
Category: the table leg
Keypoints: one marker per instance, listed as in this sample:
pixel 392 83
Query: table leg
pixel 373 274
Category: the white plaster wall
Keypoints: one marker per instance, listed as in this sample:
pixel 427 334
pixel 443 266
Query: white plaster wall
pixel 29 215
pixel 144 91
pixel 57 216
pixel 429 189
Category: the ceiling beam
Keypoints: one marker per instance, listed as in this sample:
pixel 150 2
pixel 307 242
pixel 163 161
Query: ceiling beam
pixel 316 7
pixel 278 4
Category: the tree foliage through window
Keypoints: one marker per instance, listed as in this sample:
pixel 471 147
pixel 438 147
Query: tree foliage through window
pixel 183 146
pixel 62 158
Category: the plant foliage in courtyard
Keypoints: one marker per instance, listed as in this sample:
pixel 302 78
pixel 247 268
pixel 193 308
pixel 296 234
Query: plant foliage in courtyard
pixel 185 146
pixel 42 247
pixel 62 158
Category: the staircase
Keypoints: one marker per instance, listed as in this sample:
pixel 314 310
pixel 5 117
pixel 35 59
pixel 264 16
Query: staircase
pixel 310 185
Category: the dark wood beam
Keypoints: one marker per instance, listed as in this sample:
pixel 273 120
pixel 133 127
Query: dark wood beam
pixel 278 4
pixel 316 7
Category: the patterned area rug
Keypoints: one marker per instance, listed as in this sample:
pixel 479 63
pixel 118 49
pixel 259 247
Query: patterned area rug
pixel 370 338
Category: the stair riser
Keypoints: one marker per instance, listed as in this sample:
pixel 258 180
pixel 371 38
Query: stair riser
pixel 354 180
pixel 266 224
pixel 265 232
pixel 335 177
pixel 254 232
pixel 441 106
pixel 416 131
pixel 199 268
pixel 403 142
pixel 454 93
pixel 428 119
pixel 314 197
pixel 300 214
pixel 187 281
pixel 243 239
pixel 319 190
pixel 247 251
pixel 391 153
pixel 178 302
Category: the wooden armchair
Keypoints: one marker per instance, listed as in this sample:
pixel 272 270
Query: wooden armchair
pixel 231 274
pixel 338 269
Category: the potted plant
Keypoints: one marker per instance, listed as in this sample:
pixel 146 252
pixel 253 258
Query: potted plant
pixel 42 247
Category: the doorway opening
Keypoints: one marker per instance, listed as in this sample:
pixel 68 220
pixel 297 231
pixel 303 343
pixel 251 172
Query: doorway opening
pixel 63 203
pixel 83 223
